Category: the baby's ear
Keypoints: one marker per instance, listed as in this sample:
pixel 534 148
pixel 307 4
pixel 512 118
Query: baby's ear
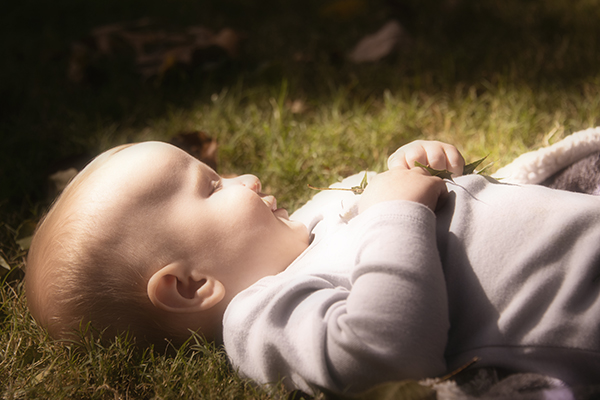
pixel 173 288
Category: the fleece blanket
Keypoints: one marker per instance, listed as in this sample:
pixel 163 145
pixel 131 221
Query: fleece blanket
pixel 570 164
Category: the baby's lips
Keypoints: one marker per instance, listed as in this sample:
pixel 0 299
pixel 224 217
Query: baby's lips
pixel 270 201
pixel 281 213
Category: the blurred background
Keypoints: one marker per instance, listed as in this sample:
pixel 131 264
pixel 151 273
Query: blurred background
pixel 78 77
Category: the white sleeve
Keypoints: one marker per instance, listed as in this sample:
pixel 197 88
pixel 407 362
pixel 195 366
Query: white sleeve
pixel 390 324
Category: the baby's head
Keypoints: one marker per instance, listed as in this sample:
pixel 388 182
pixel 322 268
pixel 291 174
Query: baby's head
pixel 149 239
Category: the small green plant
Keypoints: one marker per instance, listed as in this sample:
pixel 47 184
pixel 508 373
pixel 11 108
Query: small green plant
pixel 468 169
pixel 354 189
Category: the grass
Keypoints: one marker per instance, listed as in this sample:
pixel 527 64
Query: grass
pixel 492 77
pixel 37 368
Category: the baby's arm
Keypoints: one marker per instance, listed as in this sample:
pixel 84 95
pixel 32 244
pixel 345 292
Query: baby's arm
pixel 437 155
pixel 387 320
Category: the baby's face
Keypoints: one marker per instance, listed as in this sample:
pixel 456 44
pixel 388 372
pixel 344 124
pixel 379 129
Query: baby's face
pixel 162 195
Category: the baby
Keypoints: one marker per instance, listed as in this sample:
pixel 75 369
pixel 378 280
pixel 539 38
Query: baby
pixel 411 279
pixel 150 239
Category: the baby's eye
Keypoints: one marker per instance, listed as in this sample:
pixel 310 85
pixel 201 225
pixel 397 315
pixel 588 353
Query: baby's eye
pixel 217 185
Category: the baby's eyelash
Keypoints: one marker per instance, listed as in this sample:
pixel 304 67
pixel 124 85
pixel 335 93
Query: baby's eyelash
pixel 217 185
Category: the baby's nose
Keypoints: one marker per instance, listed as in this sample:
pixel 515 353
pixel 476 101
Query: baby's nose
pixel 250 181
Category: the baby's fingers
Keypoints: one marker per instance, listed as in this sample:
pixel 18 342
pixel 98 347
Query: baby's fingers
pixel 436 154
pixel 455 162
pixel 406 156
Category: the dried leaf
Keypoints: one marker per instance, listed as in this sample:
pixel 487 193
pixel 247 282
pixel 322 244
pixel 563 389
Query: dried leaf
pixel 354 189
pixel 363 185
pixel 470 168
pixel 39 377
pixel 229 40
pixel 199 144
pixel 25 243
pixel 155 49
pixel 445 174
pixel 60 179
pixel 4 264
pixel 25 234
pixel 296 106
pixel 442 173
pixel 378 45
pixel 458 370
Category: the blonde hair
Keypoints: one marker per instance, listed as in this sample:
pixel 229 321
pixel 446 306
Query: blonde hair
pixel 75 275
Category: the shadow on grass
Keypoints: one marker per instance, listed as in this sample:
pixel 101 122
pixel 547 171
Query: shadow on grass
pixel 44 117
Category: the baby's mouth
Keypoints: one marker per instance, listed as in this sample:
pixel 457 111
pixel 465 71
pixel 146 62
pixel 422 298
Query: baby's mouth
pixel 271 202
pixel 281 213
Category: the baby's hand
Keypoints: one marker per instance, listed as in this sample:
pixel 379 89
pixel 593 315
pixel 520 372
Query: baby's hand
pixel 403 184
pixel 435 154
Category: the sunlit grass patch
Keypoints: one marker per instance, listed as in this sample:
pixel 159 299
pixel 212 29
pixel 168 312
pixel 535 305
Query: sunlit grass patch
pixel 33 366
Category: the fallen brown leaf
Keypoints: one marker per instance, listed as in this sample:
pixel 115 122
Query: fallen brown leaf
pixel 374 47
pixel 155 49
pixel 199 144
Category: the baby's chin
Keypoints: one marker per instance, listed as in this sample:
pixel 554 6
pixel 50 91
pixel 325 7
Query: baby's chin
pixel 281 213
pixel 303 231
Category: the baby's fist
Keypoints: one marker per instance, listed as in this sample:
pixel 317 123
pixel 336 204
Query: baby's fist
pixel 435 154
pixel 403 184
